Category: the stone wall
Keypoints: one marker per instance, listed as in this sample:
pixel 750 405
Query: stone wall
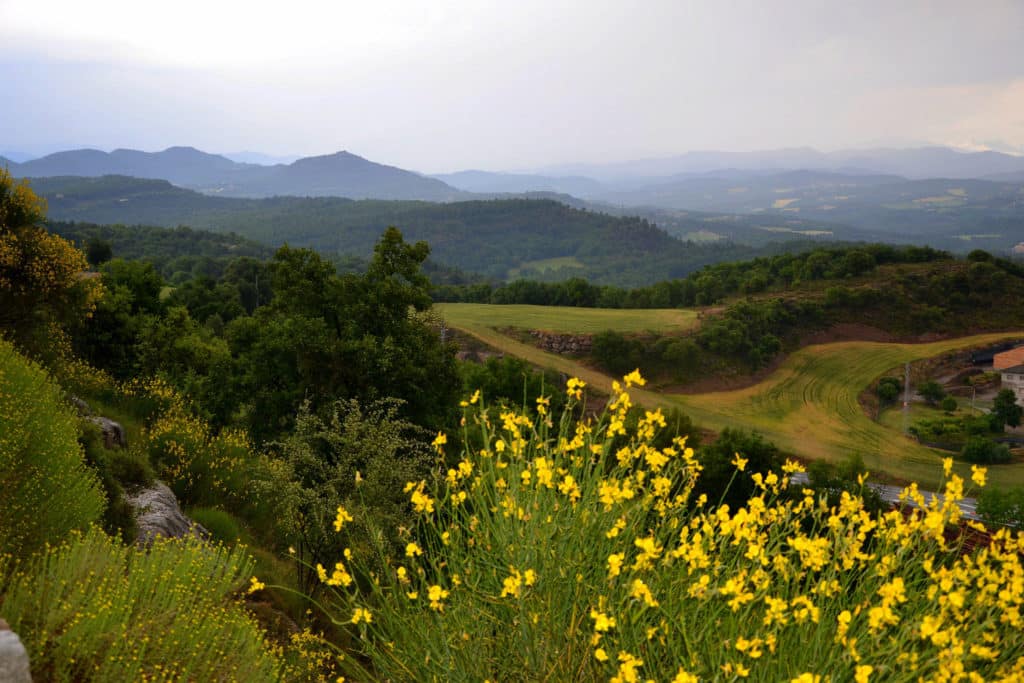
pixel 565 344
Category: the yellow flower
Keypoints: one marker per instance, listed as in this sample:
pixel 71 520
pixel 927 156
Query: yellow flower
pixel 807 678
pixel 412 550
pixel 685 677
pixel 739 462
pixel 436 595
pixel 600 655
pixel 439 441
pixel 341 518
pixel 361 614
pixel 255 585
pixel 602 622
pixel 978 475
pixel 615 564
pixel 862 673
pixel 574 388
pixel 634 378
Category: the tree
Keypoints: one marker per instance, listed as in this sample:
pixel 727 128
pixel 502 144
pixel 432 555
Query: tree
pixel 931 391
pixel 949 404
pixel 41 275
pixel 1005 409
pixel 888 389
pixel 98 251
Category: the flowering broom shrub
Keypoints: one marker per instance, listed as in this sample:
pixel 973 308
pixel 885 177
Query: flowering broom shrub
pixel 92 609
pixel 549 555
pixel 47 490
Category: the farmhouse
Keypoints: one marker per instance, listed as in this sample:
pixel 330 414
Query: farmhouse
pixel 1013 378
pixel 1008 359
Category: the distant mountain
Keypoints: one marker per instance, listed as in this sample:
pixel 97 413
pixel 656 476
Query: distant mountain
pixel 489 182
pixel 921 162
pixel 247 157
pixel 345 175
pixel 342 174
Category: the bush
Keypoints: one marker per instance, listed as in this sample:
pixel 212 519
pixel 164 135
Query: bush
pixel 984 451
pixel 47 488
pixel 92 609
pixel 949 404
pixel 557 556
pixel 223 527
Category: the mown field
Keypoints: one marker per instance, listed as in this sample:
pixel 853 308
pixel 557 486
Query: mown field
pixel 566 319
pixel 808 406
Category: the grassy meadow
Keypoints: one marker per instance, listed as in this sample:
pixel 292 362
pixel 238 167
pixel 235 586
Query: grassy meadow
pixel 808 406
pixel 566 319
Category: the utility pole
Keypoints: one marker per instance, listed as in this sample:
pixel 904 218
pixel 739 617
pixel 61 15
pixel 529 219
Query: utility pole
pixel 906 399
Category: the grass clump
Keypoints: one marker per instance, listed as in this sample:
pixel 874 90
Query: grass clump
pixel 550 554
pixel 47 488
pixel 93 609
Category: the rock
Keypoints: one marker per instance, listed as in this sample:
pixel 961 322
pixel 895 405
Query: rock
pixel 81 406
pixel 13 657
pixel 113 433
pixel 157 513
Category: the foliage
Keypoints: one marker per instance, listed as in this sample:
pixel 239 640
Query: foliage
pixel 888 389
pixel 40 274
pixel 931 391
pixel 949 404
pixel 178 253
pixel 201 466
pixel 355 453
pixel 47 488
pixel 512 381
pixel 984 451
pixel 92 609
pixel 326 337
pixel 556 556
pixel 720 482
pixel 711 284
pixel 1005 409
pixel 1002 506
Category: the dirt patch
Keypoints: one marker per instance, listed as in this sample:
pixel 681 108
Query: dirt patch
pixel 841 332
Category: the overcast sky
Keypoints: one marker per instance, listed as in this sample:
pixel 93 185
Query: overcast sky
pixel 514 84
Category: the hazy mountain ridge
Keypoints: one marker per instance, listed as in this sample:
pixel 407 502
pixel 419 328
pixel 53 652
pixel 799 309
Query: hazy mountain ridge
pixel 342 174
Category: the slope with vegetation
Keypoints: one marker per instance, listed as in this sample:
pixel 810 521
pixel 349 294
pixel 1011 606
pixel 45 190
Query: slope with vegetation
pixel 494 238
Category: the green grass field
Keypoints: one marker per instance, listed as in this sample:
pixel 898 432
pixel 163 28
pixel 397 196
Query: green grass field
pixel 808 406
pixel 568 319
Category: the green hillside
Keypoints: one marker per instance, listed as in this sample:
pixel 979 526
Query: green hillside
pixel 496 238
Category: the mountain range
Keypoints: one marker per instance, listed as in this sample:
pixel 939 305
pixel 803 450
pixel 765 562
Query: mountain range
pixel 341 174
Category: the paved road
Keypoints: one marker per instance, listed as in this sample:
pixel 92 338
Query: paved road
pixel 891 494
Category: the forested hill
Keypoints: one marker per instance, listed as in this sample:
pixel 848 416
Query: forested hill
pixel 541 239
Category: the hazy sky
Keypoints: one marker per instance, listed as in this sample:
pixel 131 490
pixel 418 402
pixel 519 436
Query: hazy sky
pixel 514 84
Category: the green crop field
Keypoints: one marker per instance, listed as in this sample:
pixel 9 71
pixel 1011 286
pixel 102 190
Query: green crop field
pixel 808 406
pixel 568 319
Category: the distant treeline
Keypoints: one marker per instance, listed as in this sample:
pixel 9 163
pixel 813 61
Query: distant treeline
pixel 704 287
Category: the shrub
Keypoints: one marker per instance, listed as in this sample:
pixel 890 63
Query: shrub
pixel 47 488
pixel 554 556
pixel 984 451
pixel 92 609
pixel 222 525
pixel 949 404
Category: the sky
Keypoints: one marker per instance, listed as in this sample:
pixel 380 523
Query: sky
pixel 447 85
